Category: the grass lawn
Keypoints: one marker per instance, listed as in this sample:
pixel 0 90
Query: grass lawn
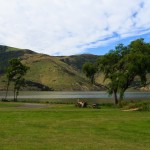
pixel 64 127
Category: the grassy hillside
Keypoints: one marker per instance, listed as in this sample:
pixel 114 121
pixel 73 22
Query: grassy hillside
pixel 7 53
pixel 59 73
pixel 47 72
pixel 54 73
pixel 77 61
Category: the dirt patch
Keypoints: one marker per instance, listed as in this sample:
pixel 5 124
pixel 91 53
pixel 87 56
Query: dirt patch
pixel 133 109
pixel 33 105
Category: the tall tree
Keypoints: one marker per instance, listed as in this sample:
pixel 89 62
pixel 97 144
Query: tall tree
pixel 123 64
pixel 112 68
pixel 15 74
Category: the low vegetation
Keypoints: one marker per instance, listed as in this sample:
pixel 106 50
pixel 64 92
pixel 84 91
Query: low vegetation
pixel 139 105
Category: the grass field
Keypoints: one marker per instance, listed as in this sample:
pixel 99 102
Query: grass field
pixel 64 127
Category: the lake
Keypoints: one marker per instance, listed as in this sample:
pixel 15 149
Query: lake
pixel 72 95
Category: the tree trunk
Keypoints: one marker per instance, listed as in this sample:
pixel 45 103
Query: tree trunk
pixel 115 97
pixel 14 95
pixel 6 91
pixel 92 79
pixel 122 94
pixel 17 93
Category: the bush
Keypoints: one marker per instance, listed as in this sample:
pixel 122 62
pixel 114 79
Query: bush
pixel 141 105
pixel 4 100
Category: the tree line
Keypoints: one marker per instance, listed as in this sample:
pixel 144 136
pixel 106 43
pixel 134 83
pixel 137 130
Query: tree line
pixel 120 66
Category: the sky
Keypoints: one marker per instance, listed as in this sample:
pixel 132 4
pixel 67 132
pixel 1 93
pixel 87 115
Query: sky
pixel 68 27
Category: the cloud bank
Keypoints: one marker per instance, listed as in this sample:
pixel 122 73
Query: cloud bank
pixel 66 27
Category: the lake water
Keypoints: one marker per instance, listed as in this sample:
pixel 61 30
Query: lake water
pixel 72 95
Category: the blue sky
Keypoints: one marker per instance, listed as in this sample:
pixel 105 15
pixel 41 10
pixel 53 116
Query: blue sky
pixel 68 27
pixel 105 49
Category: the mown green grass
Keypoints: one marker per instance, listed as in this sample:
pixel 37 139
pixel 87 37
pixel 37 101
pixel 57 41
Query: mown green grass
pixel 64 127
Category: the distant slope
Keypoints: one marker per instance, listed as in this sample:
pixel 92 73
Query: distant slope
pixel 77 61
pixel 48 72
pixel 7 53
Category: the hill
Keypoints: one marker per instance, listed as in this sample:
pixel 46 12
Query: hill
pixel 48 72
pixel 58 73
pixel 77 61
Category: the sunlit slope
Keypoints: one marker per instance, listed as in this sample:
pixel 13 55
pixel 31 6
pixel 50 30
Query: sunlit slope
pixel 46 72
pixel 52 72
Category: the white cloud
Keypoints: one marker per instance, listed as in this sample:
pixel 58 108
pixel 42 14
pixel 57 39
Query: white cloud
pixel 65 27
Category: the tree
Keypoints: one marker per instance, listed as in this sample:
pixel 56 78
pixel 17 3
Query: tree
pixel 15 74
pixel 110 65
pixel 89 69
pixel 17 86
pixel 123 64
pixel 136 63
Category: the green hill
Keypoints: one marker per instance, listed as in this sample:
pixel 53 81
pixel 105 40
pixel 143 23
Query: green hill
pixel 48 72
pixel 59 73
pixel 77 61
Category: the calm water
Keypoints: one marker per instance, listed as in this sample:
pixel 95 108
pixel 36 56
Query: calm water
pixel 71 95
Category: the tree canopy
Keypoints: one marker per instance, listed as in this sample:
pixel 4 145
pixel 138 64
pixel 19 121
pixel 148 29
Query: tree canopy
pixel 123 64
pixel 15 74
pixel 89 69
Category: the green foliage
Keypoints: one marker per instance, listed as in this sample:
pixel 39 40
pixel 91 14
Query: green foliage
pixel 123 64
pixel 140 105
pixel 89 69
pixel 145 108
pixel 15 73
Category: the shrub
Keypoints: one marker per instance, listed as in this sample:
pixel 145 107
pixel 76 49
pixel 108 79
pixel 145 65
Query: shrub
pixel 142 105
